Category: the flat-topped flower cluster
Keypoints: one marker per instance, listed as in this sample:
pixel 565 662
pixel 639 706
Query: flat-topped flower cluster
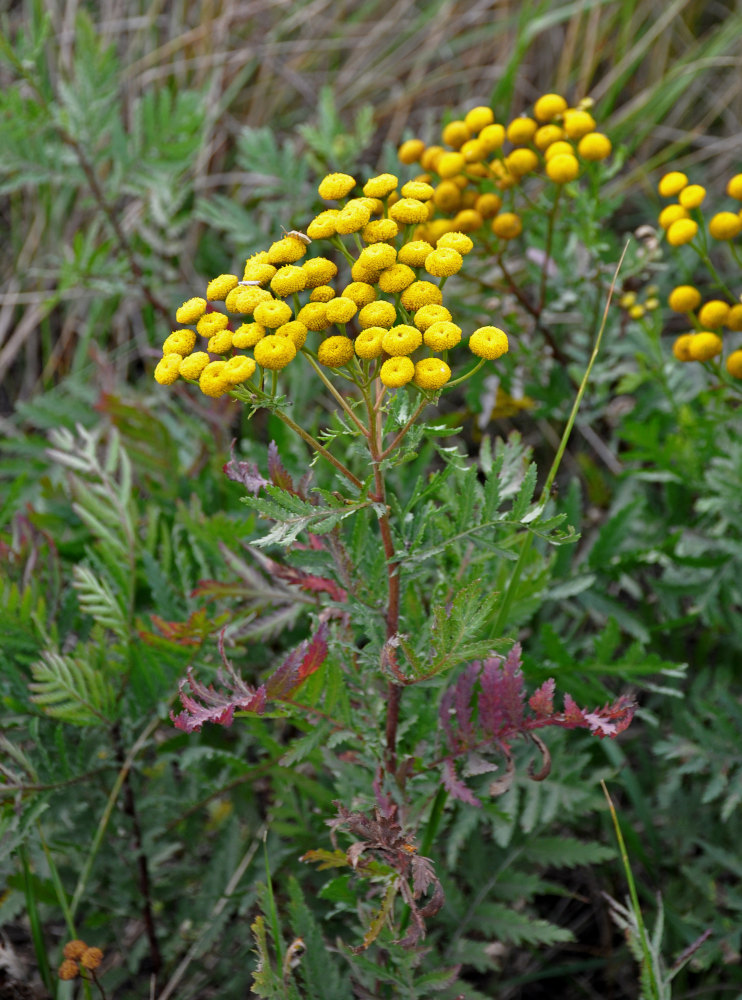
pixel 378 313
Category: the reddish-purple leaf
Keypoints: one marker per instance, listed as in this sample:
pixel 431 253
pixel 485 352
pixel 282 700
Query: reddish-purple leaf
pixel 298 665
pixel 542 699
pixel 210 705
pixel 279 476
pixel 456 787
pixel 246 473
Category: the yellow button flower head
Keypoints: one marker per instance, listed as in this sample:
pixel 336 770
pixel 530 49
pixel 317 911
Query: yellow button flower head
pixel 450 164
pixel 468 221
pixel 637 311
pixel 419 294
pixel 474 152
pixel 455 134
pixel 319 270
pixel 179 342
pixel 408 211
pixel 322 293
pixel 359 292
pixel 488 342
pixel 380 186
pixel 734 364
pixel 377 256
pixel 577 123
pixel 507 225
pixel 258 268
pixel 244 300
pixel 549 106
pixel 431 374
pixel 74 949
pixel 692 196
pixel 295 331
pixel 547 135
pixel 336 186
pixel 704 346
pixel 272 314
pixel 411 151
pixel 734 190
pixel 220 343
pixel 396 278
pixel 211 323
pixel 684 299
pixel 459 242
pixel 681 347
pixel 734 319
pixel 414 253
pixel 91 958
pixel 379 230
pixel 322 226
pixel 341 310
pixel 427 315
pixel 192 366
pixel 352 218
pixel 314 316
pixel 562 169
pixel 713 314
pixel 238 369
pixel 211 382
pixel 168 369
pixel 247 335
pixel 288 279
pixel 492 137
pixel 672 184
pixel 289 250
pixel 442 335
pixel 447 196
pixel 521 162
pixel 670 214
pixel 478 118
pixel 69 969
pixel 559 148
pixel 418 189
pixel 682 231
pixel 274 352
pixel 430 157
pixel 521 130
pixel 335 351
pixel 362 272
pixel 377 314
pixel 402 340
pixel 725 226
pixel 191 310
pixel 368 342
pixel 396 372
pixel 443 262
pixel 218 288
pixel 488 204
pixel 594 146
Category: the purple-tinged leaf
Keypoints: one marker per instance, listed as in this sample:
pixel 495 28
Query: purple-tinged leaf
pixel 542 699
pixel 279 476
pixel 298 665
pixel 210 705
pixel 246 473
pixel 456 787
pixel 501 699
pixel 462 702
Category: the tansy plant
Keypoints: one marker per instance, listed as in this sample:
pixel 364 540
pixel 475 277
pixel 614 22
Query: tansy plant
pixel 413 585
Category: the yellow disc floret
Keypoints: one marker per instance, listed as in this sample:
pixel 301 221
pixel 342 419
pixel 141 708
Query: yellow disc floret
pixel 507 225
pixel 492 136
pixel 411 151
pixel 179 342
pixel 443 262
pixel 274 352
pixel 425 317
pixel 396 372
pixel 681 347
pixel 414 253
pixel 478 118
pixel 396 278
pixel 734 363
pixel 335 351
pixel 368 342
pixel 295 331
pixel 692 196
pixel 409 211
pixel 521 130
pixel 218 288
pixel 191 310
pixel 431 374
pixel 577 123
pixel 734 189
pixel 272 314
pixel 488 342
pixel 336 186
pixel 401 340
pixel 377 314
pixel 380 186
pixel 563 168
pixel 672 184
pixel 419 294
pixel 322 226
pixel 594 146
pixel 713 313
pixel 360 292
pixel 459 242
pixel 418 189
pixel 192 366
pixel 238 369
pixel 549 106
pixel 168 369
pixel 704 346
pixel 341 310
pixel 314 316
pixel 319 270
pixel 287 251
pixel 379 230
pixel 684 299
pixel 681 232
pixel 725 226
pixel 288 279
pixel 211 382
pixel 442 335
pixel 220 343
pixel 211 323
pixel 247 335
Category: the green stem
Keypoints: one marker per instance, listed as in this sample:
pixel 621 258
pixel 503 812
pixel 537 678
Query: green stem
pixel 313 443
pixel 547 250
pixel 398 437
pixel 333 391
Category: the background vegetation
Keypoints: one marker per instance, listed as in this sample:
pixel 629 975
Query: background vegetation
pixel 142 152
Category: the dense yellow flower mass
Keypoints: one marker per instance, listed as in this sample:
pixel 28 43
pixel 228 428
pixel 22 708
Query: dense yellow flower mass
pixel 368 306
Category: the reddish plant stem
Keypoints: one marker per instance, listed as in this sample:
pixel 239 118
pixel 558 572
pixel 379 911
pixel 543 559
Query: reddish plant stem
pixel 394 691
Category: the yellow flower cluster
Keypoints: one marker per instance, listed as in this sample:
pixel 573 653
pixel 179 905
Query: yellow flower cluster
pixel 710 317
pixel 481 163
pixel 388 321
pixel 637 307
pixel 682 217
